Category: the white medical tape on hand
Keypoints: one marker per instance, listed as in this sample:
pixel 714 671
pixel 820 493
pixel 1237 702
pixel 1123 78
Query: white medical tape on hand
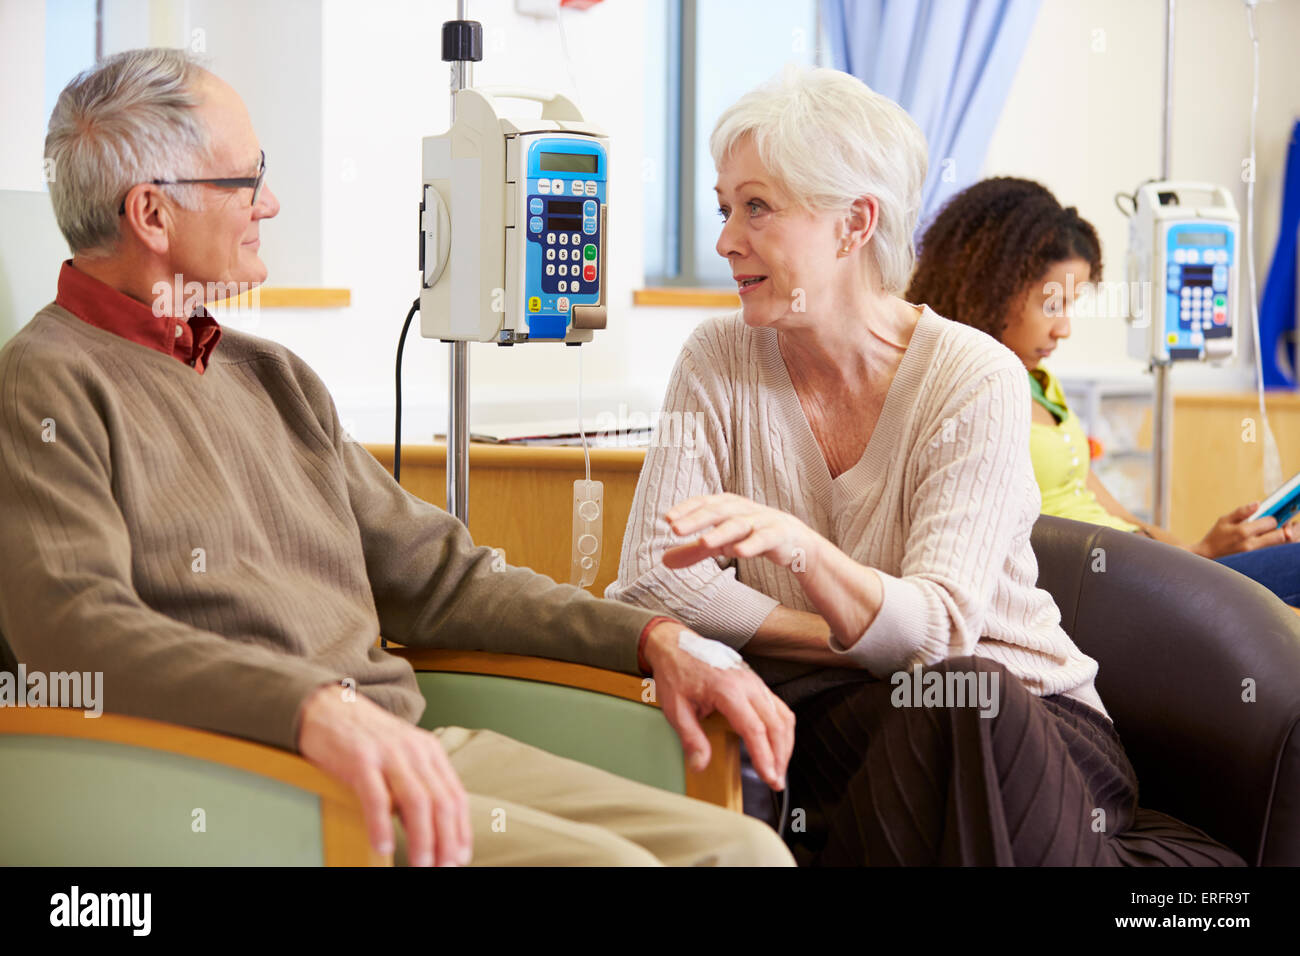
pixel 713 653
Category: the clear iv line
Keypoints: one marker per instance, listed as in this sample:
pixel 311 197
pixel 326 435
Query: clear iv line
pixel 1272 459
pixel 581 430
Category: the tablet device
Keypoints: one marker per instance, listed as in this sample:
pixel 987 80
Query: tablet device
pixel 1281 504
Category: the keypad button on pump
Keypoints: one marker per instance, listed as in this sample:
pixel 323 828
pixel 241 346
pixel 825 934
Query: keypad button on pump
pixel 544 187
pixel 589 252
pixel 557 187
pixel 535 206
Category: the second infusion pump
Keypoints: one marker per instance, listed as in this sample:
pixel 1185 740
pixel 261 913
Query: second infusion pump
pixel 1187 252
pixel 513 224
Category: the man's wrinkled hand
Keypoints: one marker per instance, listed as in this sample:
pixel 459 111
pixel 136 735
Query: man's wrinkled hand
pixel 689 689
pixel 390 764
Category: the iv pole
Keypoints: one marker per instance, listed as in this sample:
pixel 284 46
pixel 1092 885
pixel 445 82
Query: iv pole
pixel 1163 406
pixel 458 390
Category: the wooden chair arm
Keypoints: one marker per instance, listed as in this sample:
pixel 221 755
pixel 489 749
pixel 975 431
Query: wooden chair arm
pixel 718 783
pixel 343 830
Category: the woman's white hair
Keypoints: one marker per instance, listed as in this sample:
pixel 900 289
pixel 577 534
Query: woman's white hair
pixel 830 139
pixel 129 119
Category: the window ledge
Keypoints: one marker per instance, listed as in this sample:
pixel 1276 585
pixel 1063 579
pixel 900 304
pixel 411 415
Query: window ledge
pixel 682 296
pixel 282 297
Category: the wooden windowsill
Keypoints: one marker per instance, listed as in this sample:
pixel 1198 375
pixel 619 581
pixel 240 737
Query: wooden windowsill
pixel 681 296
pixel 284 297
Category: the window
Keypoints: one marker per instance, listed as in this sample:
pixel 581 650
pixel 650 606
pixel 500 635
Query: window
pixel 71 27
pixel 708 53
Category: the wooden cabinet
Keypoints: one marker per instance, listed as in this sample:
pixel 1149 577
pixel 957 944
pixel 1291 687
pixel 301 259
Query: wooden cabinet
pixel 1219 454
pixel 521 498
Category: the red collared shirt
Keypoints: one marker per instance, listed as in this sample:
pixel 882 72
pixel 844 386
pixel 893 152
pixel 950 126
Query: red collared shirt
pixel 104 307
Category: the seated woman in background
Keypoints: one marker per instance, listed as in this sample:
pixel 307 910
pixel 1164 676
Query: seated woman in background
pixel 856 518
pixel 997 258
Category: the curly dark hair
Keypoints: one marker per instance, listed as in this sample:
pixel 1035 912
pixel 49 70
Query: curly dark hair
pixel 989 242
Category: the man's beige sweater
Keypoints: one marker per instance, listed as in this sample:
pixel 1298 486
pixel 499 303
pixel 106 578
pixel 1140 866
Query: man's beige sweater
pixel 941 505
pixel 218 547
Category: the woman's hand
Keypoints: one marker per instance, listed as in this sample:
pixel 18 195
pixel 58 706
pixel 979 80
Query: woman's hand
pixel 1233 533
pixel 736 527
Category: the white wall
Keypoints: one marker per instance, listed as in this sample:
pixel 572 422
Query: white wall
pixel 22 73
pixel 1084 118
pixel 384 89
pixel 342 91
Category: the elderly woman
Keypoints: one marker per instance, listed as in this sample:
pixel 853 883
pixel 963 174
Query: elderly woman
pixel 997 258
pixel 857 520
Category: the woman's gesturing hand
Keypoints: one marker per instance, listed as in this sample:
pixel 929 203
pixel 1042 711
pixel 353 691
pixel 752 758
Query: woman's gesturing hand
pixel 733 526
pixel 1233 533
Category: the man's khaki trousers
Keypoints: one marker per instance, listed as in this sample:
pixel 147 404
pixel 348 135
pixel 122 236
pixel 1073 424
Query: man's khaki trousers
pixel 532 808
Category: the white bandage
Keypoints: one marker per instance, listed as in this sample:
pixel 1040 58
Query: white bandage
pixel 713 653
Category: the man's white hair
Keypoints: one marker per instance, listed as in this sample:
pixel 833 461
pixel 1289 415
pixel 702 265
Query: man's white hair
pixel 127 120
pixel 829 139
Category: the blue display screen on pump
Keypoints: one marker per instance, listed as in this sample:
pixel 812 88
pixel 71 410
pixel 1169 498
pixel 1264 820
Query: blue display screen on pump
pixel 565 199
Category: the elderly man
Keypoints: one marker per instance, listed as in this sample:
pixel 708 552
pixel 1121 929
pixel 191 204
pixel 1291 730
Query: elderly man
pixel 183 512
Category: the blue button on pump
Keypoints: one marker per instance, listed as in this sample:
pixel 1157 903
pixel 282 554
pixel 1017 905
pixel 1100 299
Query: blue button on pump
pixel 535 224
pixel 589 208
pixel 535 206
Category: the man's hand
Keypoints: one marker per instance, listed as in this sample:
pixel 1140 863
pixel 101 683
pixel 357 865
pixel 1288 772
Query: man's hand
pixel 689 688
pixel 389 762
pixel 1233 533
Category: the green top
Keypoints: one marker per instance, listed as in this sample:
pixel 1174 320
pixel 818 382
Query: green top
pixel 1058 410
pixel 1059 454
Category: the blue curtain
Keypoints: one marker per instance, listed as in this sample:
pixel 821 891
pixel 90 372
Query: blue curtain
pixel 949 63
pixel 1277 309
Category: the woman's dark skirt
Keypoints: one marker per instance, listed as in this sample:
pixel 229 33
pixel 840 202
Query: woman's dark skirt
pixel 1045 782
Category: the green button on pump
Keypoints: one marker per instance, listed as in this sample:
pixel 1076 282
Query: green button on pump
pixel 589 252
pixel 1220 301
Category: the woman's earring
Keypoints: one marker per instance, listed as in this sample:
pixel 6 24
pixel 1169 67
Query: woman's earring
pixel 844 251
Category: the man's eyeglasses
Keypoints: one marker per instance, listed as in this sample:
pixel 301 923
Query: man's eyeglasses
pixel 236 182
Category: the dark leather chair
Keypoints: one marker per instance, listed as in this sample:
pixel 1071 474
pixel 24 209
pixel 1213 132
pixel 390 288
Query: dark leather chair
pixel 1177 638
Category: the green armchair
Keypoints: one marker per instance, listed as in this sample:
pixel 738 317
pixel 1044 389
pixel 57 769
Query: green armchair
pixel 118 790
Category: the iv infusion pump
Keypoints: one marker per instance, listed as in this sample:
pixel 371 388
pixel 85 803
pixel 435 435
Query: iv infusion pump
pixel 513 223
pixel 1186 254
